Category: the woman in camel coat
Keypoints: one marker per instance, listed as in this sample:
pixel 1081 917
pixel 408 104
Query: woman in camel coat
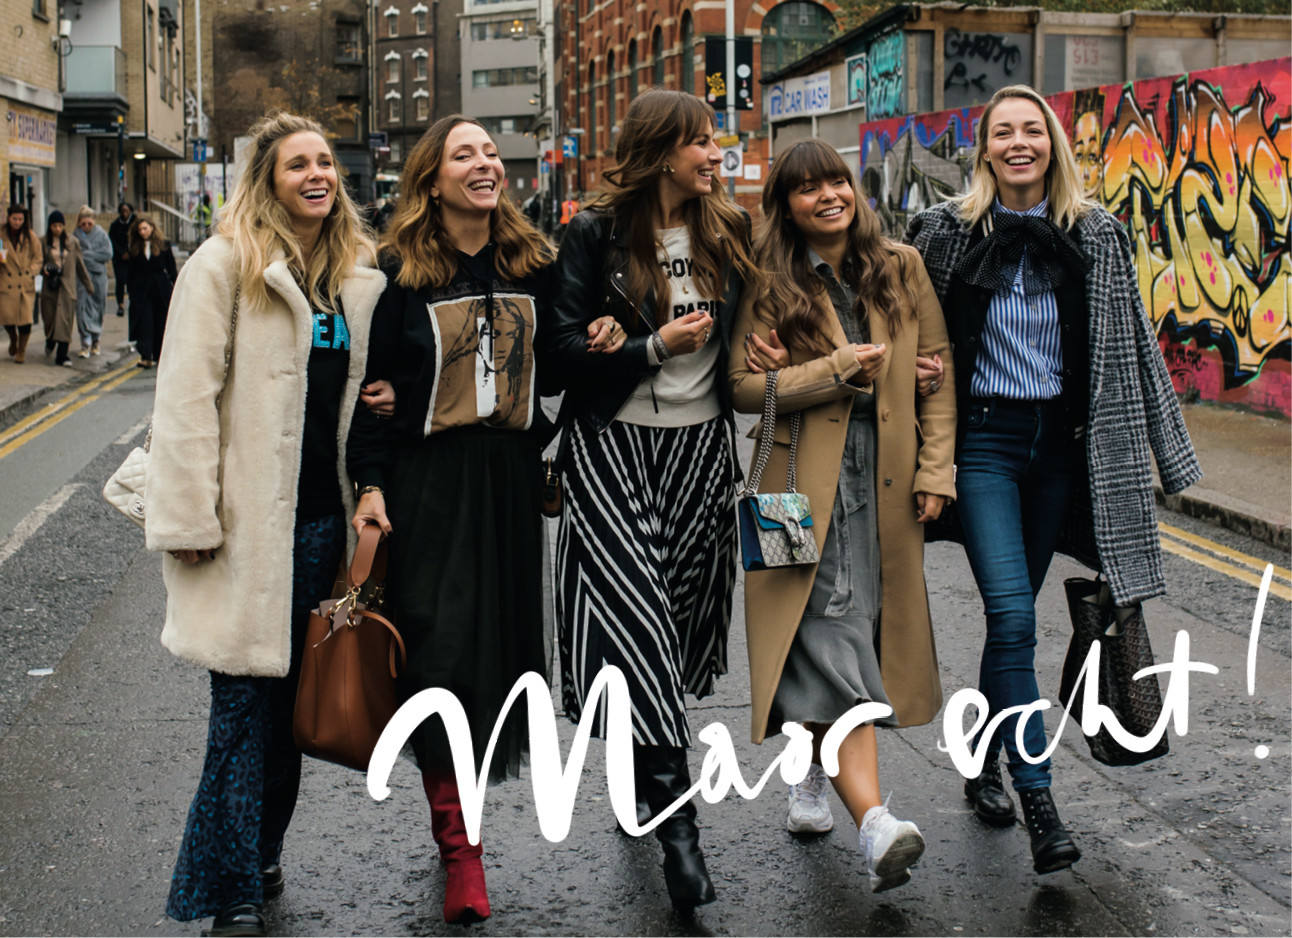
pixel 20 259
pixel 854 311
pixel 58 298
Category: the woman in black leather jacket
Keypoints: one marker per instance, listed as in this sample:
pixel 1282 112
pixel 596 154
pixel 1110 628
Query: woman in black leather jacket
pixel 647 547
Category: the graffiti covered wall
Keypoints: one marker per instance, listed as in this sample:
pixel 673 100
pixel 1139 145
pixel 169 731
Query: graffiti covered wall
pixel 1197 167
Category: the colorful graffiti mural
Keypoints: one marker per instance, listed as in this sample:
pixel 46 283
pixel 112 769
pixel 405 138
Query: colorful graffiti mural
pixel 1197 167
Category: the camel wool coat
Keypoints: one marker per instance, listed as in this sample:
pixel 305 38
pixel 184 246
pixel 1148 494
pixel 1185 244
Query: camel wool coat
pixel 18 272
pixel 58 306
pixel 225 476
pixel 915 444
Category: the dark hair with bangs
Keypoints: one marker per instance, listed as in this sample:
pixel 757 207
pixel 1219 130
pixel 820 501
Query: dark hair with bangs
pixel 656 122
pixel 878 274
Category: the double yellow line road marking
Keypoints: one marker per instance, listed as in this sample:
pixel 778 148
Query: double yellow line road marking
pixel 1224 560
pixel 33 425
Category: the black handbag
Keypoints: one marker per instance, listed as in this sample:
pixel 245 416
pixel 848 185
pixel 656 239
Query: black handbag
pixel 1124 650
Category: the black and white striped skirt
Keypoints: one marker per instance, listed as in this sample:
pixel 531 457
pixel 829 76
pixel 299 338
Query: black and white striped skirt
pixel 646 562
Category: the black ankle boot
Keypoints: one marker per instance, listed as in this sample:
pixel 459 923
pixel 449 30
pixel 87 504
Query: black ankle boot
pixel 239 919
pixel 1052 846
pixel 272 881
pixel 666 778
pixel 641 784
pixel 987 795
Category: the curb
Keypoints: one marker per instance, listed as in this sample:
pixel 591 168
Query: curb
pixel 1229 513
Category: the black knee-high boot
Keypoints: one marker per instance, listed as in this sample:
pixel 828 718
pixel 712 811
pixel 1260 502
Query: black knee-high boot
pixel 664 775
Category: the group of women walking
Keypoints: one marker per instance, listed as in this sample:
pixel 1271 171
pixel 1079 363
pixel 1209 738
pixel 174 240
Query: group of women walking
pixel 313 377
pixel 73 290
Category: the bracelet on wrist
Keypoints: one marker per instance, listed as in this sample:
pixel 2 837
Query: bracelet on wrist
pixel 371 488
pixel 661 347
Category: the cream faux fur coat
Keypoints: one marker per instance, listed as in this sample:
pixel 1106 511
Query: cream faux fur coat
pixel 225 477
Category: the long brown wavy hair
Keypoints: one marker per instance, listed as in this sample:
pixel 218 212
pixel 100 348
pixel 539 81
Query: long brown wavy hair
pixel 261 230
pixel 418 239
pixel 136 242
pixel 656 122
pixel 878 274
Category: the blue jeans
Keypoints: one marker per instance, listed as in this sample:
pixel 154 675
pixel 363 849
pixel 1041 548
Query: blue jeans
pixel 1015 473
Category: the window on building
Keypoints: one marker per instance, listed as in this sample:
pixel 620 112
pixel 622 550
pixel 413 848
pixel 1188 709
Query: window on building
pixel 396 149
pixel 423 105
pixel 349 43
pixel 632 70
pixel 688 54
pixel 483 30
pixel 500 77
pixel 392 22
pixel 395 111
pixel 792 30
pixel 38 9
pixel 657 48
pixel 611 115
pixel 518 124
pixel 591 137
pixel 150 38
pixel 419 19
pixel 419 65
pixel 347 121
pixel 392 67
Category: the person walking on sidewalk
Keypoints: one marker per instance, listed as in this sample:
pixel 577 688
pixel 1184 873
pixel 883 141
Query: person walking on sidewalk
pixel 1063 400
pixel 152 277
pixel 846 303
pixel 454 477
pixel 96 252
pixel 647 546
pixel 245 497
pixel 20 260
pixel 119 235
pixel 63 269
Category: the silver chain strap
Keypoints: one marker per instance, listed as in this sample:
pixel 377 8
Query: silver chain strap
pixel 228 357
pixel 765 441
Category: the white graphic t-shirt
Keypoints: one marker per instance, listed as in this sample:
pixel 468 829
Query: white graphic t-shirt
pixel 683 392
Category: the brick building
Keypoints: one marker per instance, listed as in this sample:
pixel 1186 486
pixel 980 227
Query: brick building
pixel 606 51
pixel 403 63
pixel 30 97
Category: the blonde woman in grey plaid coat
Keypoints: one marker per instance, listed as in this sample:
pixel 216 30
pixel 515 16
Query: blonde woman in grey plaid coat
pixel 1061 393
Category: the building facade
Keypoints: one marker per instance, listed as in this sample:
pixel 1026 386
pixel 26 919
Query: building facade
pixel 404 61
pixel 31 85
pixel 607 51
pixel 500 83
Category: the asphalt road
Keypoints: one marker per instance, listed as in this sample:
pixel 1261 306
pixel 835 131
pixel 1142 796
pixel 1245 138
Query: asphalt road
pixel 99 759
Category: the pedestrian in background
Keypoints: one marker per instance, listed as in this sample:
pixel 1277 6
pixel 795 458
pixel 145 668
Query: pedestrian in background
pixel 454 478
pixel 151 276
pixel 119 235
pixel 245 496
pixel 96 252
pixel 647 547
pixel 62 270
pixel 1062 395
pixel 852 312
pixel 20 262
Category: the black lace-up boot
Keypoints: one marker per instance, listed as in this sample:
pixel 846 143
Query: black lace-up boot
pixel 987 795
pixel 1052 846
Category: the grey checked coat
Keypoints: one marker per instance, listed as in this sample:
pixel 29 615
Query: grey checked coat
pixel 1133 407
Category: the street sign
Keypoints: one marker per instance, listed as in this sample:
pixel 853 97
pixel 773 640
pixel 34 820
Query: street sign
pixel 732 161
pixel 377 140
pixel 199 150
pixel 94 128
pixel 570 147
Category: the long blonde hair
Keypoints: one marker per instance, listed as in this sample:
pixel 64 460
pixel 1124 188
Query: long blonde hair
pixel 417 236
pixel 878 274
pixel 657 120
pixel 1062 178
pixel 261 230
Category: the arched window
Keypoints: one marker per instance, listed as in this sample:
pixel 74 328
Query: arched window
pixel 688 54
pixel 632 70
pixel 610 99
pixel 792 30
pixel 657 49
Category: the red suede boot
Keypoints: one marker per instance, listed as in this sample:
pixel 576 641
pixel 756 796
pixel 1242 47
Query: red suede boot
pixel 465 898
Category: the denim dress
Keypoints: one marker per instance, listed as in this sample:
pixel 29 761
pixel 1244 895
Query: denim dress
pixel 833 664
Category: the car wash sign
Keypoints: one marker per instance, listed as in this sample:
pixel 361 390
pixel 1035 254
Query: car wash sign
pixel 32 136
pixel 799 97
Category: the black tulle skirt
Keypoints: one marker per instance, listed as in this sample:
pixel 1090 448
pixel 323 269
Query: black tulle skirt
pixel 465 579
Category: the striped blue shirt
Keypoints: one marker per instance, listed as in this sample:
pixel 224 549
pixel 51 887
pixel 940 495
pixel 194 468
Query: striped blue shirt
pixel 1021 355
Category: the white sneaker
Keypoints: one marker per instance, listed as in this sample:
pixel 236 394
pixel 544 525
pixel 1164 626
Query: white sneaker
pixel 84 352
pixel 809 807
pixel 890 846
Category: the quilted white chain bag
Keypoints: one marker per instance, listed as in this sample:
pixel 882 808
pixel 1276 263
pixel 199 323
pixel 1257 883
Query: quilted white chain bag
pixel 124 489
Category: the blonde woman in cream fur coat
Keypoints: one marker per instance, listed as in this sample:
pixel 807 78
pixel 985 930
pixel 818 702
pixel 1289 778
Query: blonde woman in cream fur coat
pixel 248 495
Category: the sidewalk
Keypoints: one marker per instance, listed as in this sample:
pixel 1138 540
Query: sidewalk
pixel 22 385
pixel 1247 459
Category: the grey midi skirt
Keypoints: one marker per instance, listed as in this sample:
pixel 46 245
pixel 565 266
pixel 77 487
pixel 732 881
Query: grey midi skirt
pixel 833 664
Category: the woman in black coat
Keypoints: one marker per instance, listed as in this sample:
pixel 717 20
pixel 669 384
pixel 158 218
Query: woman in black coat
pixel 151 277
